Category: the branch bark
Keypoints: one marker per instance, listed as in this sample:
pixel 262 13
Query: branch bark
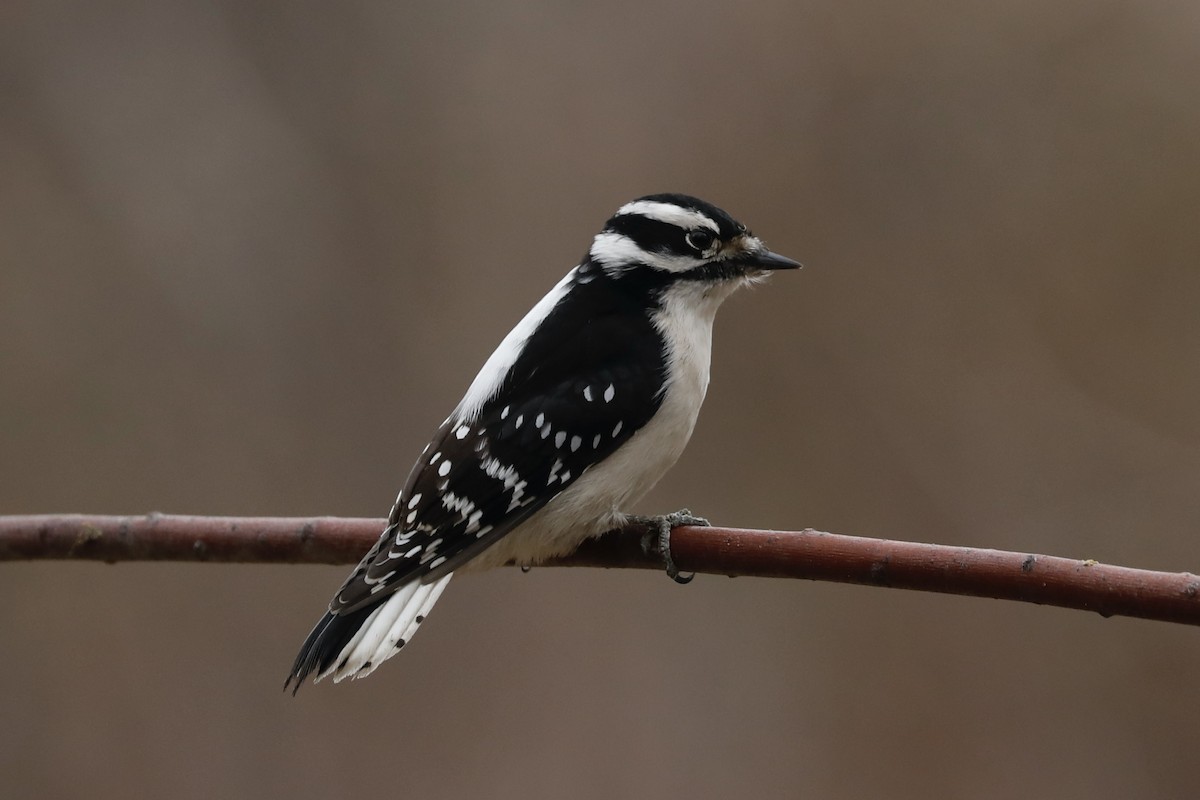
pixel 1048 580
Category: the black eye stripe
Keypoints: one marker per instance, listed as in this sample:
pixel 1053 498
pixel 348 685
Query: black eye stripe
pixel 656 236
pixel 651 235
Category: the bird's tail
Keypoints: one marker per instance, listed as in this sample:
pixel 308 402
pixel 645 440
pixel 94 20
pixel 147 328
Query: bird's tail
pixel 354 644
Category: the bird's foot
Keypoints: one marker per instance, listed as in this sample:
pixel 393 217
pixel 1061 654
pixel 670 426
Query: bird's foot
pixel 658 537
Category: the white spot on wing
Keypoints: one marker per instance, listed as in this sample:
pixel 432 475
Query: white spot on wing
pixel 512 480
pixel 412 501
pixel 444 469
pixel 462 505
pixel 560 438
pixel 617 429
pixel 369 581
pixel 575 442
pixel 518 498
pixel 539 420
pixel 462 431
pixel 587 393
pixel 610 393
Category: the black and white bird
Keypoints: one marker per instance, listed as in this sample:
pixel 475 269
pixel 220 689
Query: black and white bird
pixel 575 416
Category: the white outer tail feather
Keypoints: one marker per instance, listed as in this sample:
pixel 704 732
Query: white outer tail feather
pixel 395 620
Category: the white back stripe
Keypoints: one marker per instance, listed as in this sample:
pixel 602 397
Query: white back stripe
pixel 488 381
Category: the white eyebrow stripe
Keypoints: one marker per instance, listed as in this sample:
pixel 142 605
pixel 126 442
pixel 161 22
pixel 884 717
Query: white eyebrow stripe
pixel 670 213
pixel 616 251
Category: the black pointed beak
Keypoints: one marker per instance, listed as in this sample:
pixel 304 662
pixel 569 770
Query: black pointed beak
pixel 766 260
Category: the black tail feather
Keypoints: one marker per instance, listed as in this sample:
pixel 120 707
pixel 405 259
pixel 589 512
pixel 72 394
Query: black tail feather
pixel 327 640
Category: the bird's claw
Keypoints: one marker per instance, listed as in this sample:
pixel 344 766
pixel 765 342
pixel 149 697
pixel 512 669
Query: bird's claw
pixel 658 538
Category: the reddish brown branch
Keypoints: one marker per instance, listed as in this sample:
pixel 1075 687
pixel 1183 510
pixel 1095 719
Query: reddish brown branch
pixel 1048 580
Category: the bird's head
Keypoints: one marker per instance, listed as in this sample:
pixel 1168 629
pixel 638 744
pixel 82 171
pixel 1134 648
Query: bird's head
pixel 673 238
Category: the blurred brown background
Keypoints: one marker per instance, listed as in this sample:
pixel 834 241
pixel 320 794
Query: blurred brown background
pixel 251 253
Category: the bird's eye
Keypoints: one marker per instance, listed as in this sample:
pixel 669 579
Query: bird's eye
pixel 701 240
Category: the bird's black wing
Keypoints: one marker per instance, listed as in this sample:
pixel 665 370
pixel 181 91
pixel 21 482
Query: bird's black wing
pixel 570 399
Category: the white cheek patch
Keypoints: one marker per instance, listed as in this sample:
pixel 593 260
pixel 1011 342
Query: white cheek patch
pixel 669 213
pixel 616 252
